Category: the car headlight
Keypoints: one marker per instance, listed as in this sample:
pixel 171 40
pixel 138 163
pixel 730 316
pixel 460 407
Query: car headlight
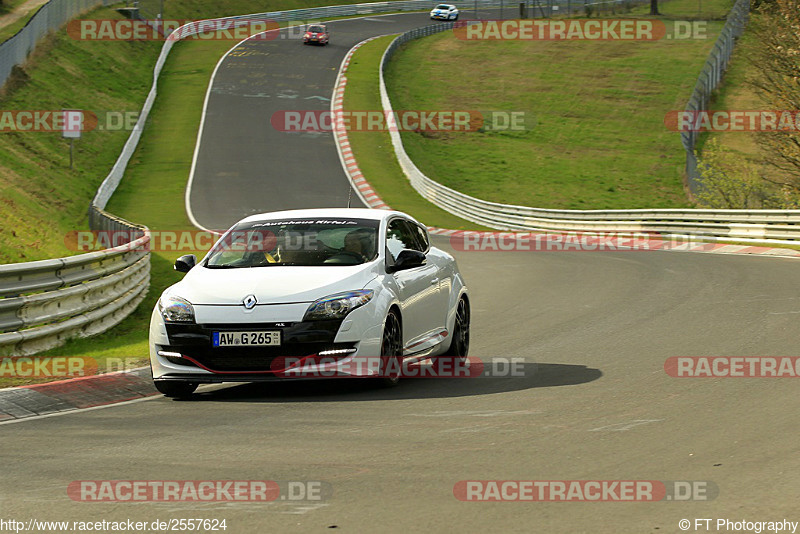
pixel 176 310
pixel 337 306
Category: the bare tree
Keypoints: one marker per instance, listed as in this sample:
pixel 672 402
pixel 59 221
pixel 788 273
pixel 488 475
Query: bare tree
pixel 777 59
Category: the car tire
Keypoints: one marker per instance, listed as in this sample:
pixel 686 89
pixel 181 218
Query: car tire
pixel 459 344
pixel 391 350
pixel 175 389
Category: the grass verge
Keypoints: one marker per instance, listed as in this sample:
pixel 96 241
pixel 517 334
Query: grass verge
pixel 43 199
pixel 599 140
pixel 152 193
pixel 373 149
pixel 7 6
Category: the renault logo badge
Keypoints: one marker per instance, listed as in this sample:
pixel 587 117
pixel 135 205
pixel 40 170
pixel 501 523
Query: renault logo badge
pixel 249 302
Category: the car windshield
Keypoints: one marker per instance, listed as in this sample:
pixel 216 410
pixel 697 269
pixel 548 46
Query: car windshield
pixel 442 6
pixel 307 242
pixel 316 29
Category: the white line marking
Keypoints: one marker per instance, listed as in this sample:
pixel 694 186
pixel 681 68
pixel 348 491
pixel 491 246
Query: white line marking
pixel 621 427
pixel 304 509
pixel 78 410
pixel 475 413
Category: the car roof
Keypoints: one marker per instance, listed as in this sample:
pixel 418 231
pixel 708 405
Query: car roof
pixel 350 213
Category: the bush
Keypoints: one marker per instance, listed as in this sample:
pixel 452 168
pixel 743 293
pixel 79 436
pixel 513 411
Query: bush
pixel 728 180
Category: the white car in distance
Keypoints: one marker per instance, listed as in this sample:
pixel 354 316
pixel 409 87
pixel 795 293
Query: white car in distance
pixel 444 12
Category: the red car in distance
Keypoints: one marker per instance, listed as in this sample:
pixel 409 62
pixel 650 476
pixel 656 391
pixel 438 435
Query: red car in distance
pixel 316 34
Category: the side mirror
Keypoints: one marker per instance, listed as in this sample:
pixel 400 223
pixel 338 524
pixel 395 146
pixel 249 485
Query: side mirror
pixel 407 259
pixel 185 263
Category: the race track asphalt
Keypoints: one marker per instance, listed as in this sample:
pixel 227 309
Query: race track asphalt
pixel 593 330
pixel 247 166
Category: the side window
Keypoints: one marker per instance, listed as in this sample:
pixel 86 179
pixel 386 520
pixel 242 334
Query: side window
pixel 400 236
pixel 422 237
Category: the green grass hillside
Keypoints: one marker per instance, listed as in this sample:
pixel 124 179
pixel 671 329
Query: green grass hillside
pixel 597 111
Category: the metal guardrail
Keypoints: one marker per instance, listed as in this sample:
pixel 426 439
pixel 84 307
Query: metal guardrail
pixel 45 302
pixel 709 80
pixel 757 226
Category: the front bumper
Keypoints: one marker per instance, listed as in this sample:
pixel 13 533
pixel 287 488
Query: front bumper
pixel 185 351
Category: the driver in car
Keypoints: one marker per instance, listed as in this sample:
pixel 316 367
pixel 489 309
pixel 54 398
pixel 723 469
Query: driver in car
pixel 357 243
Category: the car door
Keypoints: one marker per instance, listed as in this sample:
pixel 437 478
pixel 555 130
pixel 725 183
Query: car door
pixel 444 277
pixel 416 288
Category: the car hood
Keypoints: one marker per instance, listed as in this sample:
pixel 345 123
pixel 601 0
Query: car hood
pixel 270 285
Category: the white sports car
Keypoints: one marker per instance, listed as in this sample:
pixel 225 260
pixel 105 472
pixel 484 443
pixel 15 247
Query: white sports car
pixel 444 12
pixel 323 290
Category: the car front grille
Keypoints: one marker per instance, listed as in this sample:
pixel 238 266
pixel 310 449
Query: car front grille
pixel 298 340
pixel 253 359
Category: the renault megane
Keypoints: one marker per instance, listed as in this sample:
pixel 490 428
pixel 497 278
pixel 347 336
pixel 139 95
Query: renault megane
pixel 321 289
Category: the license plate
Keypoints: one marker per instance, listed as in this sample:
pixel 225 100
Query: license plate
pixel 258 338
